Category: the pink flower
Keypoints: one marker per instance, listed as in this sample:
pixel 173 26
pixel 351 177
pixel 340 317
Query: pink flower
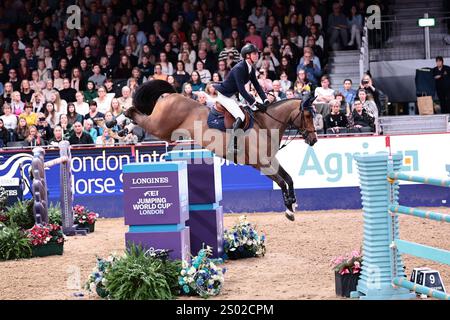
pixel 344 271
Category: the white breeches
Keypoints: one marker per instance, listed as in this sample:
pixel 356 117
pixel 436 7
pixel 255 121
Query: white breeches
pixel 231 105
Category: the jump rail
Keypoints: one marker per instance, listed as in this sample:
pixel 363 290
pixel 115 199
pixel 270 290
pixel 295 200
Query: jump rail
pixel 382 275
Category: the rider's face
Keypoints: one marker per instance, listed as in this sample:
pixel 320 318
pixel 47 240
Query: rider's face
pixel 254 57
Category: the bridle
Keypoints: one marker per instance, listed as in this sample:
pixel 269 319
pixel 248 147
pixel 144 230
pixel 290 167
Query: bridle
pixel 291 123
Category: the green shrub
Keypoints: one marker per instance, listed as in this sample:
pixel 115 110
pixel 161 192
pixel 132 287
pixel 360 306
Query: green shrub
pixel 137 276
pixel 13 244
pixel 54 214
pixel 21 214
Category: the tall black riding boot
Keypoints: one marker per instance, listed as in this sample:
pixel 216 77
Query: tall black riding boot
pixel 231 145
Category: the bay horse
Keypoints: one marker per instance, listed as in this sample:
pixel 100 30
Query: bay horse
pixel 165 114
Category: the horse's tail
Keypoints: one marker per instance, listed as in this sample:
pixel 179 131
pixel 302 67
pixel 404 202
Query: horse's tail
pixel 148 93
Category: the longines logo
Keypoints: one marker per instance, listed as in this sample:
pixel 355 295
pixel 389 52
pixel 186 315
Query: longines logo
pixel 150 180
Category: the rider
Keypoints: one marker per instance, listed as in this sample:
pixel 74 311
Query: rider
pixel 239 75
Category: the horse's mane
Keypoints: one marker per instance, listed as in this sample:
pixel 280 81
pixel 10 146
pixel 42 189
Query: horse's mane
pixel 306 103
pixel 276 104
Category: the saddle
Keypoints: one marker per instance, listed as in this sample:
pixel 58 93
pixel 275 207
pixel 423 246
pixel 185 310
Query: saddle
pixel 221 119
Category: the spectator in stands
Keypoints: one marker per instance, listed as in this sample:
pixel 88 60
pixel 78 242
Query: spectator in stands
pixel 146 67
pixel 9 119
pixel 312 70
pixel 94 113
pixel 229 49
pixel 38 102
pixel 105 139
pixel 97 78
pixel 79 136
pixel 216 44
pixel 60 104
pixel 171 80
pixel 324 95
pixel 335 121
pixel 90 93
pixel 21 131
pixel 123 70
pixel 16 103
pixel 34 138
pixel 57 80
pixel 271 59
pixel 318 123
pixel 362 121
pixel 26 93
pixel 277 90
pixel 253 37
pixel 285 83
pixel 337 28
pixel 441 75
pixel 91 127
pixel 345 107
pixel 4 135
pixel 14 79
pixel 290 94
pixel 180 75
pixel 258 19
pixel 29 115
pixel 35 83
pixel 264 81
pixel 158 75
pixel 186 90
pixel 67 93
pixel 7 93
pixel 51 116
pixel 196 83
pixel 58 136
pixel 370 107
pixel 81 107
pixel 302 85
pixel 348 92
pixel 116 108
pixel 166 65
pixel 205 74
pixel 44 129
pixel 72 115
pixel 65 126
pixel 367 84
pixel 317 18
pixel 126 101
pixel 48 90
pixel 355 25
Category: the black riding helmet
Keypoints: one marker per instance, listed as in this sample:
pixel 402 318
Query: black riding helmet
pixel 248 48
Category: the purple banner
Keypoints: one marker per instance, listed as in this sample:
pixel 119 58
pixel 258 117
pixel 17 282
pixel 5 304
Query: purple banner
pixel 152 198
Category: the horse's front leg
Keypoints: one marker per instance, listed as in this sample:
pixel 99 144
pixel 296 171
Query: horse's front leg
pixel 289 182
pixel 274 174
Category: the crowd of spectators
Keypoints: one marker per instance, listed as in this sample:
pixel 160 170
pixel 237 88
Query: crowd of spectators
pixel 59 83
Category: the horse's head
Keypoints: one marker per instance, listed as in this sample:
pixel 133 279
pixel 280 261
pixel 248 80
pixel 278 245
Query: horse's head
pixel 303 119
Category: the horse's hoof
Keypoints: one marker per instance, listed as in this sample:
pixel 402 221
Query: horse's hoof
pixel 290 215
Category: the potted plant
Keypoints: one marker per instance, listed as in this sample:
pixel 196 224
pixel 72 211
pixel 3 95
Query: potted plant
pixel 84 218
pixel 202 276
pixel 97 280
pixel 347 270
pixel 243 241
pixel 46 240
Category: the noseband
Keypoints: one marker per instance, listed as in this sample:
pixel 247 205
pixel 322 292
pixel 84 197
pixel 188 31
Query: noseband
pixel 304 132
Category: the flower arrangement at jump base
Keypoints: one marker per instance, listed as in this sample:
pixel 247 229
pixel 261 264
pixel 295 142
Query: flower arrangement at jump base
pixel 243 241
pixel 347 269
pixel 46 240
pixel 202 276
pixel 84 218
pixel 97 280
